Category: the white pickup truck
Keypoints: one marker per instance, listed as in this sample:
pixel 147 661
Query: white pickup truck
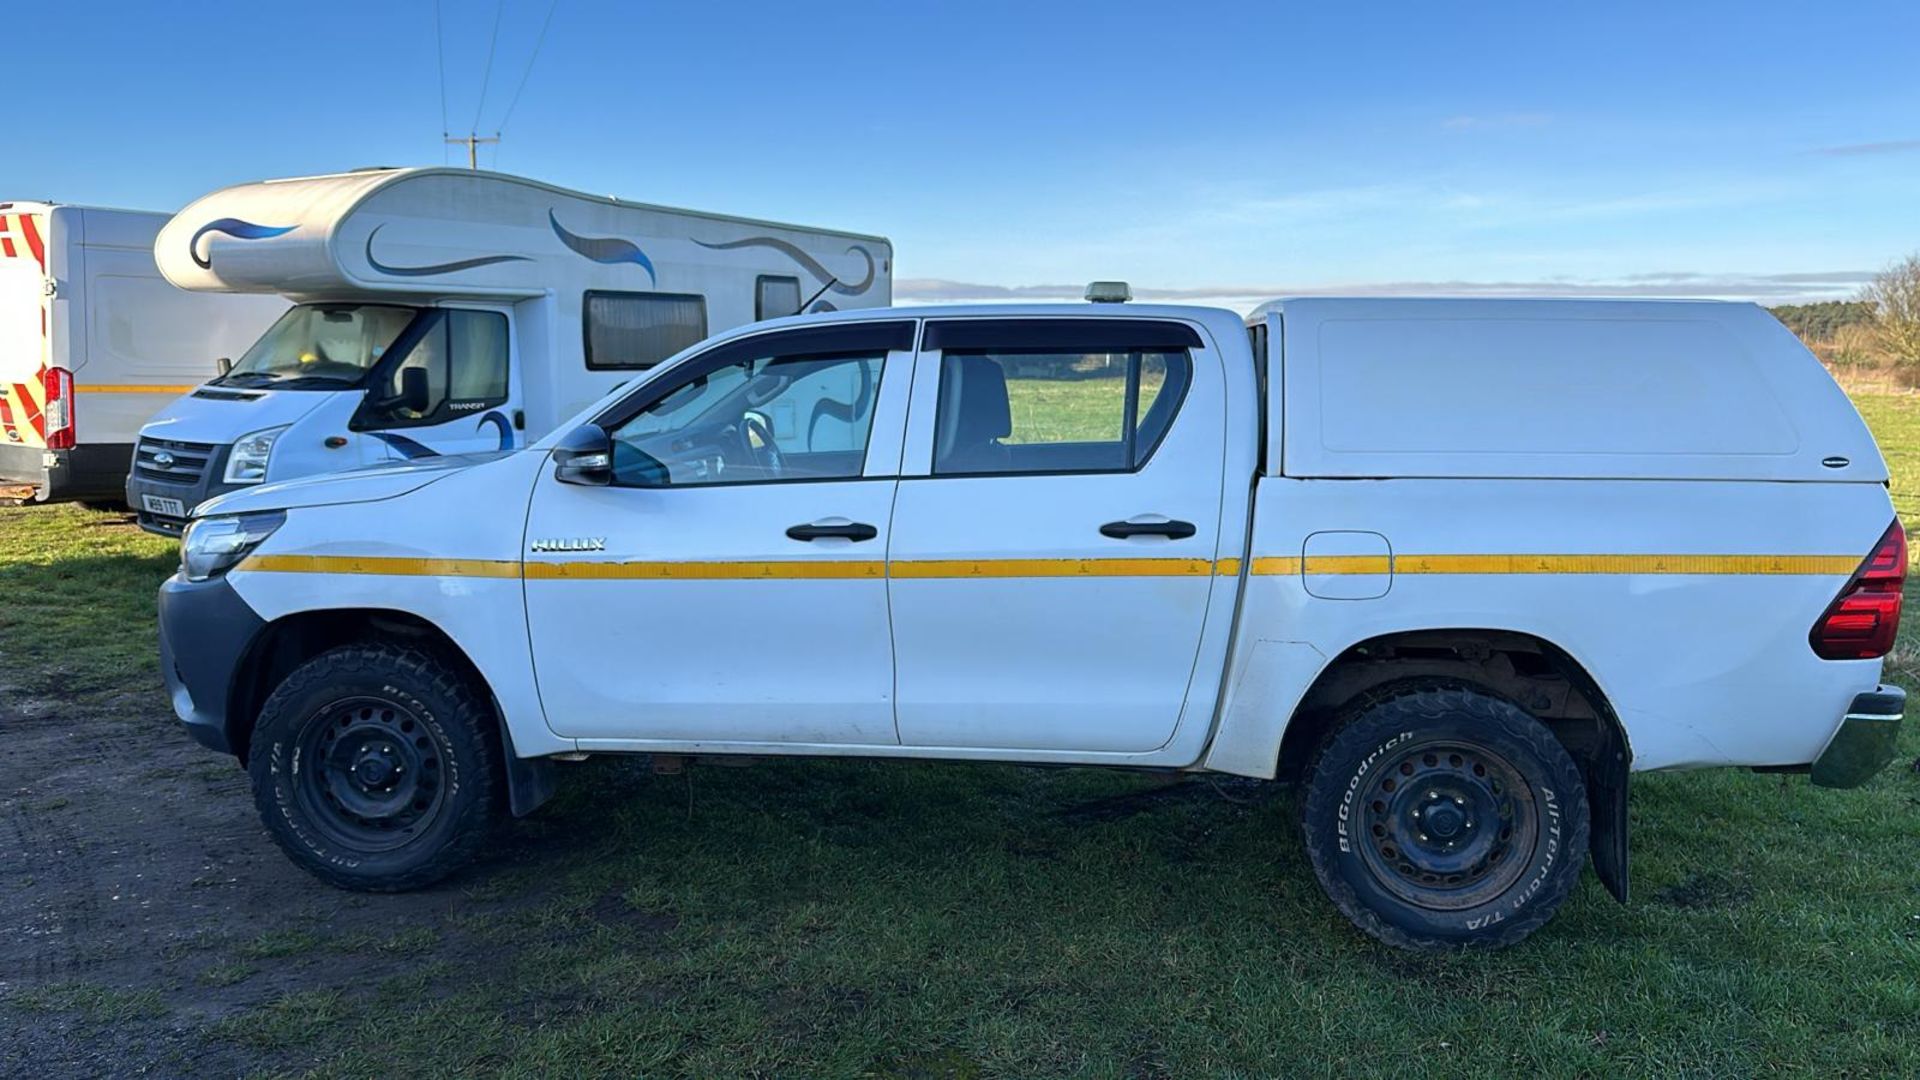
pixel 1455 567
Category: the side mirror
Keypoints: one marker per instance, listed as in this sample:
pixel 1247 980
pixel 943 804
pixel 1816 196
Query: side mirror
pixel 414 397
pixel 584 456
pixel 224 365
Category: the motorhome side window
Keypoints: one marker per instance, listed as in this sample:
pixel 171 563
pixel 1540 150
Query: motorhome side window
pixel 462 363
pixel 1099 407
pixel 775 297
pixel 628 331
pixel 782 407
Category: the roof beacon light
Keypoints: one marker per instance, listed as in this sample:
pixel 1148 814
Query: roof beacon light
pixel 1109 292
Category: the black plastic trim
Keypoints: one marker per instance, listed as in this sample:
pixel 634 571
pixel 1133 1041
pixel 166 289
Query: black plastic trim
pixel 1012 334
pixel 205 630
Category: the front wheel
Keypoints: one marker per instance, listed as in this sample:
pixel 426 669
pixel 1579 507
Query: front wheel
pixel 373 768
pixel 1437 816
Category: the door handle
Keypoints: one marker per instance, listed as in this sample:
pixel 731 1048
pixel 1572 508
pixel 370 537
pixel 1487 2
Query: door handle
pixel 855 531
pixel 1172 530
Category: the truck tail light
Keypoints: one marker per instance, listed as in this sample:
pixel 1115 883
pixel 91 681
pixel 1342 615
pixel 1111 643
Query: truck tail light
pixel 1861 622
pixel 59 415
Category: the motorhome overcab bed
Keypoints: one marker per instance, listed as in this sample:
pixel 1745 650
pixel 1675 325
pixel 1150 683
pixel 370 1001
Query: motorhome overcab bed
pixel 445 311
pixel 93 341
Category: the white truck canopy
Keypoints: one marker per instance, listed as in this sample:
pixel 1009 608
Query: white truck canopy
pixel 1618 389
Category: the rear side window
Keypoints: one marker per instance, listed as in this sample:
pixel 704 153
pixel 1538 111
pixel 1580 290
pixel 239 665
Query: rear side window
pixel 1058 409
pixel 633 331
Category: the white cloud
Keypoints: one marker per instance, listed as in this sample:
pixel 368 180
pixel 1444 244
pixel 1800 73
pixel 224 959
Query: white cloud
pixel 1503 120
pixel 1889 146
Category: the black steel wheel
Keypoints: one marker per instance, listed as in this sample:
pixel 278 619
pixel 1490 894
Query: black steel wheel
pixel 375 777
pixel 1440 816
pixel 374 767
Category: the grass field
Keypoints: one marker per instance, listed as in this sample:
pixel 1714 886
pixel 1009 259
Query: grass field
pixel 906 920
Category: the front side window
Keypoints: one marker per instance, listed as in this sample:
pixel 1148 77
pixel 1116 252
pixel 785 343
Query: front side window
pixel 1054 411
pixel 321 347
pixel 634 331
pixel 755 420
pixel 462 363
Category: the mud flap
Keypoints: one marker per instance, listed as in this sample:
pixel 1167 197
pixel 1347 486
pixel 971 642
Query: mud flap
pixel 530 781
pixel 1607 774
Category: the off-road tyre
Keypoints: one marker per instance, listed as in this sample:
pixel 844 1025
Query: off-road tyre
pixel 1410 760
pixel 374 766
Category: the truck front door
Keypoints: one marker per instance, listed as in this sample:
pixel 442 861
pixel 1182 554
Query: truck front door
pixel 1055 533
pixel 730 584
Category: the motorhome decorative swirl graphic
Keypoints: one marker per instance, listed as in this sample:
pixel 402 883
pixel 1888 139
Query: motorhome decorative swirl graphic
pixel 434 268
pixel 234 227
pixel 603 249
pixel 812 265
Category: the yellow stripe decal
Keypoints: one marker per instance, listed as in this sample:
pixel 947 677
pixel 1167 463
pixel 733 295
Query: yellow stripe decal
pixel 1263 566
pixel 130 388
pixel 1587 564
pixel 706 571
pixel 1032 568
pixel 381 564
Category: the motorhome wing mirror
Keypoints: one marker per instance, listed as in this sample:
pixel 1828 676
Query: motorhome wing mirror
pixel 584 456
pixel 415 397
pixel 224 365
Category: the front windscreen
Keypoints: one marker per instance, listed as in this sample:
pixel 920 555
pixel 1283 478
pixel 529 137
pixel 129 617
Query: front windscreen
pixel 321 346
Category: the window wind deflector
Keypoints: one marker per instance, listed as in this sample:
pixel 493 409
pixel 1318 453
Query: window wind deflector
pixel 1059 335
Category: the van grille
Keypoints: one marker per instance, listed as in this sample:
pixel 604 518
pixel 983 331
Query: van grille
pixel 171 462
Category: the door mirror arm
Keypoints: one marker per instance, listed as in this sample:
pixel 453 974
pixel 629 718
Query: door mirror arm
pixel 584 456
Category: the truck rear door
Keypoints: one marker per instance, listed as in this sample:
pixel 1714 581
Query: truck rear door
pixel 1056 532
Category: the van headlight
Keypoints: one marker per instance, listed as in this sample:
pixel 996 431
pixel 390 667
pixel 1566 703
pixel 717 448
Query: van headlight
pixel 212 546
pixel 247 464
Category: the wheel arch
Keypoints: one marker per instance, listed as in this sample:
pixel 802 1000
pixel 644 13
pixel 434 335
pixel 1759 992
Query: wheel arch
pixel 1540 675
pixel 291 640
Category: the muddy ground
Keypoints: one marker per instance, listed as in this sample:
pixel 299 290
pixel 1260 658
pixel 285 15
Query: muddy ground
pixel 142 904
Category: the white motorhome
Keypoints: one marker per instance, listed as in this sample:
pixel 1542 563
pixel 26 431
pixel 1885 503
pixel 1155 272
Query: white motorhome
pixel 93 341
pixel 445 311
pixel 1455 566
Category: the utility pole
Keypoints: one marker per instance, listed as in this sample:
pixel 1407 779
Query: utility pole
pixel 472 143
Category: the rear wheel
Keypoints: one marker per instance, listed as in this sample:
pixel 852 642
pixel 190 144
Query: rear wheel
pixel 1437 816
pixel 373 767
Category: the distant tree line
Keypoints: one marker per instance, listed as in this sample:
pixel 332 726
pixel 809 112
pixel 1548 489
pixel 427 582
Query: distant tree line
pixel 1878 333
pixel 1822 321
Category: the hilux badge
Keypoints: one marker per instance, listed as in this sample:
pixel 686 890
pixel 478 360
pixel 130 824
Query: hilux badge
pixel 571 543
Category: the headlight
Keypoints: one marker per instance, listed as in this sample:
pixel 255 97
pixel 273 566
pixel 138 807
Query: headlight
pixel 248 462
pixel 213 545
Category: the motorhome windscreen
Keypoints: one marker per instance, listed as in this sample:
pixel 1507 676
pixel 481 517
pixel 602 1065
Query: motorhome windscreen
pixel 321 346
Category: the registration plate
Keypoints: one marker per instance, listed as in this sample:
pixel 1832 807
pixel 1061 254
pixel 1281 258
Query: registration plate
pixel 160 504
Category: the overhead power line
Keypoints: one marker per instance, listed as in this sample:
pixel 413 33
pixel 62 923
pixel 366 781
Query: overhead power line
pixel 440 51
pixel 486 76
pixel 528 73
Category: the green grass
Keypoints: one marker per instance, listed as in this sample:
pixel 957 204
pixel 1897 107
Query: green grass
pixel 823 918
pixel 78 621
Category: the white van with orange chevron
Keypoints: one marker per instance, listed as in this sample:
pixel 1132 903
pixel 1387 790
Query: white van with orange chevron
pixel 93 341
pixel 1457 568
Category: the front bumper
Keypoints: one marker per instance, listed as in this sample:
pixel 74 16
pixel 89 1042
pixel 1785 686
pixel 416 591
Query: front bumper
pixel 205 630
pixel 1866 739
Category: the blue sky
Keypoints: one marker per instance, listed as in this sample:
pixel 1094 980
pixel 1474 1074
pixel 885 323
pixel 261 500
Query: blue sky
pixel 1229 150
